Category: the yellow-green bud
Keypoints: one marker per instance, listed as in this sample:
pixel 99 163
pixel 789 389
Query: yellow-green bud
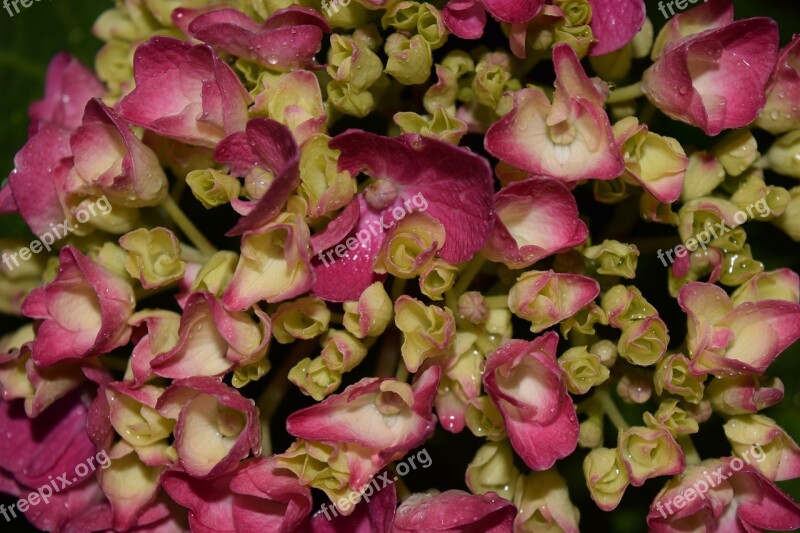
pixel 154 257
pixel 304 319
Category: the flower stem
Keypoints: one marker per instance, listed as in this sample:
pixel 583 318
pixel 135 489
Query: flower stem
pixel 398 288
pixel 402 372
pixel 471 270
pixel 187 227
pixel 624 94
pixel 611 410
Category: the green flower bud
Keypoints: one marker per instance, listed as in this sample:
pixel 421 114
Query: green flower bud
pixel 606 351
pixel 431 26
pixel 674 376
pixel 484 420
pixel 784 155
pixel 442 94
pixel 111 257
pixel 314 378
pixel 341 351
pixel 644 342
pixel 789 221
pixel 304 318
pixel 582 370
pixel 736 151
pixel 606 477
pixel 402 16
pixel 672 417
pixel 769 200
pixel 322 186
pixel 738 267
pixel 371 314
pixel 777 451
pixel 648 453
pixel 625 305
pixel 544 505
pixel 614 258
pixel 213 187
pixel 437 279
pixel 492 75
pixel 580 38
pixel 249 373
pixel 442 125
pixel 154 257
pixel 410 60
pixel 215 275
pixel 349 101
pixel 352 62
pixel 576 12
pixel 428 331
pixel 409 248
pixel 493 470
pixel 613 66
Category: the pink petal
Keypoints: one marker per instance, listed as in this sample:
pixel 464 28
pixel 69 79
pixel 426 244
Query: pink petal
pixel 516 11
pixel 68 87
pixel 455 511
pixel 535 218
pixel 465 18
pixel 615 23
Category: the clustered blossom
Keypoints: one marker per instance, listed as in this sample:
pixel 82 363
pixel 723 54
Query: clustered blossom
pixel 409 239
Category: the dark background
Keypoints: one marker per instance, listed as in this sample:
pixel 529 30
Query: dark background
pixel 30 39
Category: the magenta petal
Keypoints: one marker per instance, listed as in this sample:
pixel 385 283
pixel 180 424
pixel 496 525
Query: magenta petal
pixel 210 502
pixel 455 511
pixel 268 499
pixel 351 416
pixel 269 144
pixel 376 516
pixel 69 86
pixel 716 80
pixel 37 181
pixel 8 206
pixel 524 381
pixel 287 40
pixel 515 11
pixel 342 278
pixel 455 183
pixel 465 18
pixel 615 23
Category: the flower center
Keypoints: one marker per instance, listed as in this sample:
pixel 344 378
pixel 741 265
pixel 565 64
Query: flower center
pixel 380 194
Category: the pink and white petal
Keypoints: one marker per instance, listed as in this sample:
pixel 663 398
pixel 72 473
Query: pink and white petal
pixel 615 23
pixel 465 18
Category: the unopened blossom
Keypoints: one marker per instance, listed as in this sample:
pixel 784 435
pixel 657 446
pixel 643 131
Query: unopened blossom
pixel 492 470
pixel 547 298
pixel 606 477
pixel 649 452
pixel 543 500
pixel 781 112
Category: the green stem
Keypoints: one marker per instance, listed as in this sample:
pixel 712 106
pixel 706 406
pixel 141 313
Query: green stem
pixel 402 372
pixel 187 227
pixel 611 410
pixel 631 92
pixel 471 270
pixel 499 301
pixel 451 301
pixel 398 288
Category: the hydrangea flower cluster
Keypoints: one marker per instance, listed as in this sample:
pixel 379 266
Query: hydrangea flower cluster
pixel 396 209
